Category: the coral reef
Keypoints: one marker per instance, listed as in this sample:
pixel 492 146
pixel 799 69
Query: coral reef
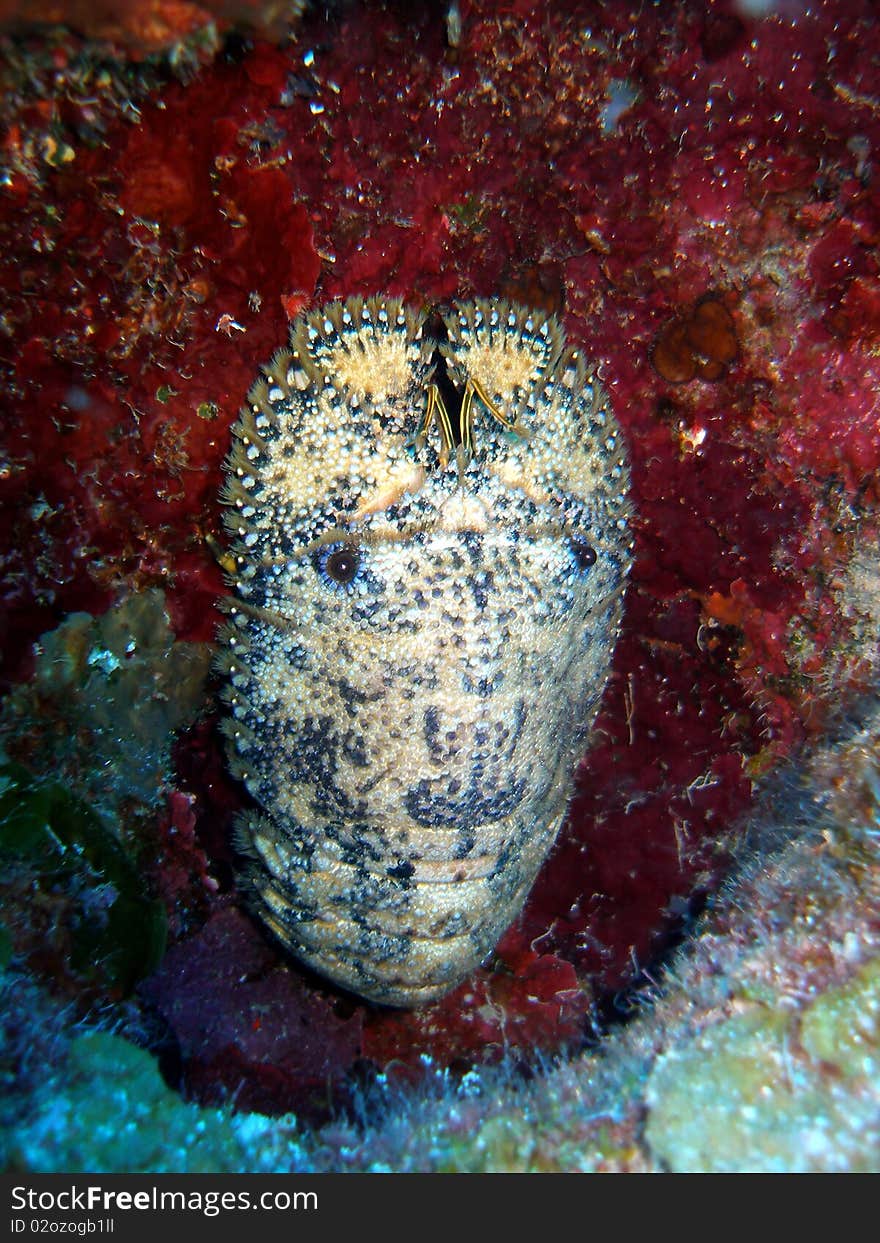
pixel 244 1022
pixel 144 28
pixel 106 697
pixel 88 814
pixel 113 1112
pixel 692 189
pixel 772 1035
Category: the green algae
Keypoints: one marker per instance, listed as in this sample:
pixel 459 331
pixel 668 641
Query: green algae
pixel 116 930
pixel 842 1027
pixel 90 738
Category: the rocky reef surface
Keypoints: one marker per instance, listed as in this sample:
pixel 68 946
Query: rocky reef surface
pixel 692 188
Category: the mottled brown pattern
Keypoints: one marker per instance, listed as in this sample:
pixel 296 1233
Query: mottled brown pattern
pixel 425 609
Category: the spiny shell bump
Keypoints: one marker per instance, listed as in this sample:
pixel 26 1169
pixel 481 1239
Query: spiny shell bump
pixel 426 601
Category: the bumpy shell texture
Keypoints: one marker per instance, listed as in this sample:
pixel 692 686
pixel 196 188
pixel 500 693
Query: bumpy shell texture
pixel 431 545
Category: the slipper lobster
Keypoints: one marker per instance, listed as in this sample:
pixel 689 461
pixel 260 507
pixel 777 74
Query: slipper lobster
pixel 430 546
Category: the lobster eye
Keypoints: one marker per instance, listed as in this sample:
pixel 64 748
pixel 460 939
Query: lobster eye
pixel 342 564
pixel 584 554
